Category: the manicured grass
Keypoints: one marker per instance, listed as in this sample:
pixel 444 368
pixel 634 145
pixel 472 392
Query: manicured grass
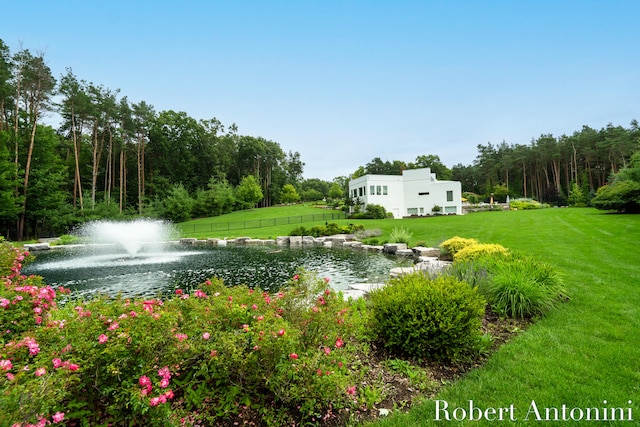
pixel 580 355
pixel 295 214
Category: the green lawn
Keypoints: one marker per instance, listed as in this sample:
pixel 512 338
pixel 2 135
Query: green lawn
pixel 245 223
pixel 581 355
pixel 586 352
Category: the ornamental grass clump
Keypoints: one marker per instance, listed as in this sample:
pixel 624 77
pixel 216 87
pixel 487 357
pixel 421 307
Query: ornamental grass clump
pixel 206 356
pixel 400 235
pixel 523 288
pixel 514 285
pixel 439 318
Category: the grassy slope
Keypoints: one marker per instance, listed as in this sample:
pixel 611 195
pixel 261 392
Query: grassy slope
pixel 580 355
pixel 201 225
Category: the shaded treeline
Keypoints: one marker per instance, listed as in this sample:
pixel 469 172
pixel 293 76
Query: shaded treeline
pixel 110 156
pixel 547 168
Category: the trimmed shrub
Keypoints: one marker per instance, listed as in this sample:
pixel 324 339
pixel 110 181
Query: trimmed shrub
pixel 436 318
pixel 454 244
pixel 526 204
pixel 372 211
pixel 326 230
pixel 482 249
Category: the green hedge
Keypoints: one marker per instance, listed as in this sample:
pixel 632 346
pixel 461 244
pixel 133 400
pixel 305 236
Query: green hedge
pixel 437 318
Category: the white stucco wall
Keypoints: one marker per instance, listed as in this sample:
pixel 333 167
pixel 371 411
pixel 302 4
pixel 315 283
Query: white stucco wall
pixel 415 192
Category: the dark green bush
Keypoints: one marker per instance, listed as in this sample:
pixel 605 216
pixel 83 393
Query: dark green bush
pixel 435 318
pixel 372 211
pixel 621 196
pixel 332 229
pixel 326 230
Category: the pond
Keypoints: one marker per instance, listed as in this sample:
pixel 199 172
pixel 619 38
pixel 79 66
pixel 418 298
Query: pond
pixel 160 271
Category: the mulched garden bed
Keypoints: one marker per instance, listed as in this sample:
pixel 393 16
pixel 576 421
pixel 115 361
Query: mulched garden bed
pixel 400 392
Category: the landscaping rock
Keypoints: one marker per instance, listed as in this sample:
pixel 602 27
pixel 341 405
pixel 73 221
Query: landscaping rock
pixel 401 271
pixel 37 246
pixel 188 240
pixel 366 287
pixel 392 248
pixel 432 265
pixel 337 241
pixel 242 240
pixel 429 252
pixel 405 252
pixel 352 245
pixel 352 293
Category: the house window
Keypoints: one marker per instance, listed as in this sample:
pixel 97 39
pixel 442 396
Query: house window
pixel 450 209
pixel 421 211
pixel 372 190
pixel 384 190
pixel 412 211
pixel 360 191
pixel 378 190
pixel 423 193
pixel 449 196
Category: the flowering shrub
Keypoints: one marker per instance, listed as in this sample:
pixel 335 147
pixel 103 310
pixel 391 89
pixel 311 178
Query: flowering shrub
pixel 454 244
pixel 435 318
pixel 200 357
pixel 481 249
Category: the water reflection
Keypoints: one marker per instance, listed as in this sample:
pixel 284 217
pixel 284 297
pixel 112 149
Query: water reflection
pixel 152 272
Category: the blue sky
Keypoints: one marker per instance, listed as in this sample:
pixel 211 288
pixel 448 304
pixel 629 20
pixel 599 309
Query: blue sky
pixel 342 82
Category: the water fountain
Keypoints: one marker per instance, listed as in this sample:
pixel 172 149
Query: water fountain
pixel 132 236
pixel 140 258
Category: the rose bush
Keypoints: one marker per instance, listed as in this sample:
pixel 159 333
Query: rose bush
pixel 205 355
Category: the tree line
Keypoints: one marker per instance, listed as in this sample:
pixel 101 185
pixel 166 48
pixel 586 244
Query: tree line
pixel 111 157
pixel 555 170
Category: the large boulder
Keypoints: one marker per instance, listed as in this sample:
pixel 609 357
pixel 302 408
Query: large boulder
pixel 392 248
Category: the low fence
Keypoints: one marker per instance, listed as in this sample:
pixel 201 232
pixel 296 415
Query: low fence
pixel 214 227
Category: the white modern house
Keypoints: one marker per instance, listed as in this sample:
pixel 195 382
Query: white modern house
pixel 414 193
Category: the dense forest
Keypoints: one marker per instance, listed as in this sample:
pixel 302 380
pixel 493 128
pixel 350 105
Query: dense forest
pixel 549 169
pixel 111 157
